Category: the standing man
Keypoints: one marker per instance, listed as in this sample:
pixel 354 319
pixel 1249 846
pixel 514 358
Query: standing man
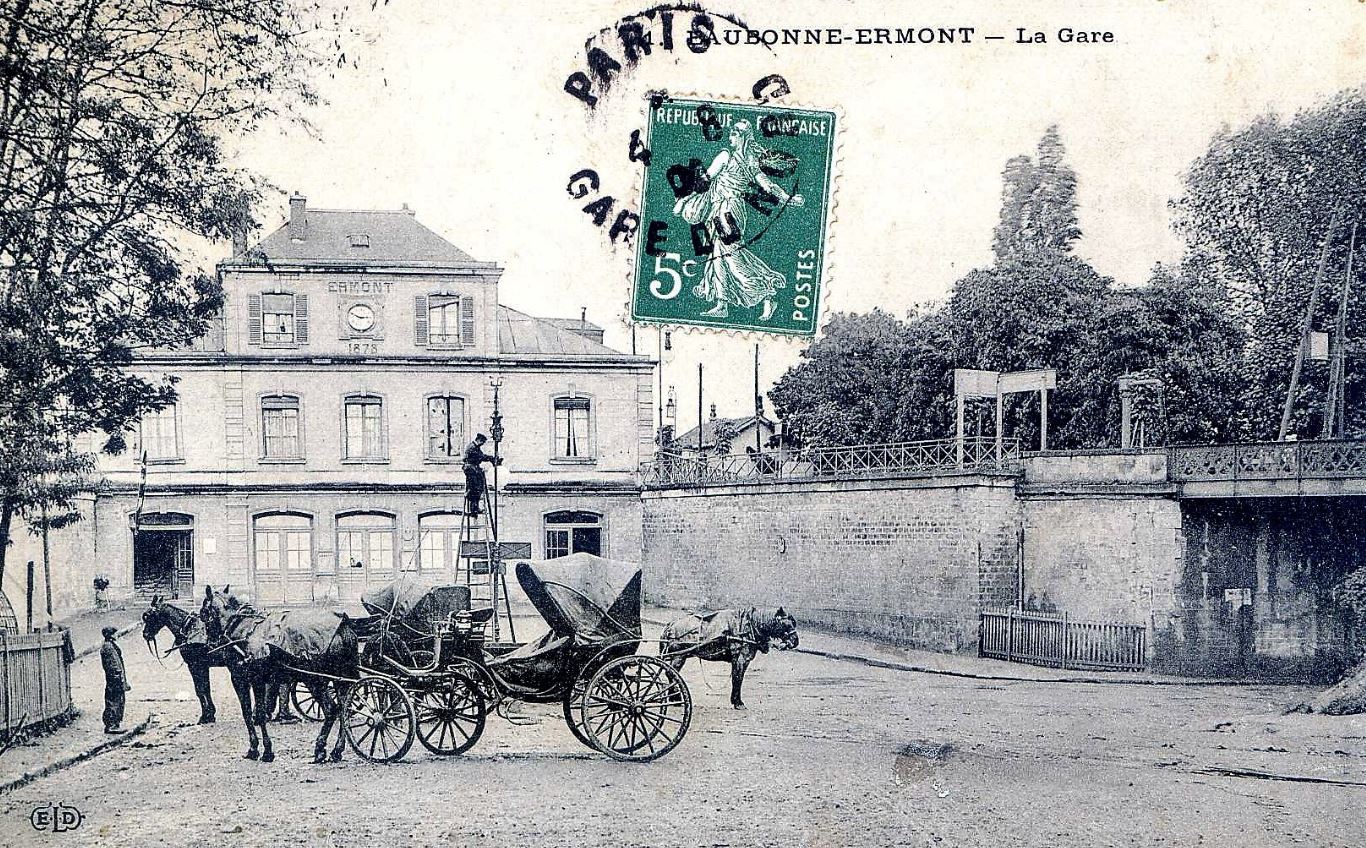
pixel 115 682
pixel 474 475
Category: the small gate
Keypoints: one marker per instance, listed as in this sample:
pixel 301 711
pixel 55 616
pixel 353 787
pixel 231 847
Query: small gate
pixel 1050 639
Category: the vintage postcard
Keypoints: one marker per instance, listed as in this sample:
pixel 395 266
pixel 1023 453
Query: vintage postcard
pixel 682 424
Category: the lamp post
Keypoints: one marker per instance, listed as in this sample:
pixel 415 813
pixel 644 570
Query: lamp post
pixel 495 430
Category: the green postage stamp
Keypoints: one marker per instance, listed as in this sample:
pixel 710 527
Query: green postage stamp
pixel 733 216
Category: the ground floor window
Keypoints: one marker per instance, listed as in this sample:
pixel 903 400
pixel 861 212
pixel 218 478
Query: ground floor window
pixel 438 540
pixel 365 541
pixel 572 532
pixel 283 544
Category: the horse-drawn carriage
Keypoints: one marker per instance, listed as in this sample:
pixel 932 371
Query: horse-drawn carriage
pixel 427 672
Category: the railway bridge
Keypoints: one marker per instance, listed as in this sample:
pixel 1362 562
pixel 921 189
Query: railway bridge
pixel 1227 555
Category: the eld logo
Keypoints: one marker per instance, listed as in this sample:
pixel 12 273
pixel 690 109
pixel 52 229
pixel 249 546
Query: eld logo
pixel 56 818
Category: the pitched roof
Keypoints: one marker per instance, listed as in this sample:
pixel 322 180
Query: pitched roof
pixel 337 236
pixel 522 333
pixel 689 439
pixel 580 326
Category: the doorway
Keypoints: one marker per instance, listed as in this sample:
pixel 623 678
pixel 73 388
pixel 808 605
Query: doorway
pixel 163 561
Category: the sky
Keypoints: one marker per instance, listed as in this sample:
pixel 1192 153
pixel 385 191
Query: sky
pixel 457 109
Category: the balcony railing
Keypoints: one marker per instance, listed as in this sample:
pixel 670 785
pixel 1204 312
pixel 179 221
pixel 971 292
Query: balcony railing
pixel 855 462
pixel 1267 461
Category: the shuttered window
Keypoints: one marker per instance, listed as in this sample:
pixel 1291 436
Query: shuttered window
pixel 443 320
pixel 277 319
pixel 573 428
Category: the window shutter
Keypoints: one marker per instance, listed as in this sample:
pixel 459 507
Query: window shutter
pixel 420 317
pixel 254 319
pixel 301 318
pixel 467 322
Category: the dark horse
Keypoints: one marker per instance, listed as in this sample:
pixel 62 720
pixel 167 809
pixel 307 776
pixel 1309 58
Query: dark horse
pixel 191 641
pixel 733 636
pixel 251 642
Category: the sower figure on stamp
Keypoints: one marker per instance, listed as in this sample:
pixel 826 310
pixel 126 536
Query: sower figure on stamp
pixel 474 474
pixel 115 682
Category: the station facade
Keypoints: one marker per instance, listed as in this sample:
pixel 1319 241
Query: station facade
pixel 315 448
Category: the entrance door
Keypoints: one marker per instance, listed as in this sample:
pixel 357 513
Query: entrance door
pixel 282 563
pixel 163 554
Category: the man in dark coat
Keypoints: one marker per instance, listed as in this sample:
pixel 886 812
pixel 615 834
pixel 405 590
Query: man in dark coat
pixel 115 682
pixel 474 474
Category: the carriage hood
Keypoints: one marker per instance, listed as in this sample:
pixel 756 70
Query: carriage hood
pixel 584 595
pixel 415 601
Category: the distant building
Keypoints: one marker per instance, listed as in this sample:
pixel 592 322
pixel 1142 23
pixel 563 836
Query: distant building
pixel 740 430
pixel 315 449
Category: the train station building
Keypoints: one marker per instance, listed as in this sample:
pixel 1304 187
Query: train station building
pixel 315 448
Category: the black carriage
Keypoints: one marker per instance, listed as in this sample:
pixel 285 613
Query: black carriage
pixel 429 674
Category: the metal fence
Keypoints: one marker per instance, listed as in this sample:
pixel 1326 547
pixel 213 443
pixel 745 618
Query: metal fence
pixel 854 462
pixel 1050 639
pixel 36 684
pixel 1267 461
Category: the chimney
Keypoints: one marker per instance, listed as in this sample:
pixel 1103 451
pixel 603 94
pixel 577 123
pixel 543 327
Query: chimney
pixel 583 314
pixel 407 210
pixel 298 221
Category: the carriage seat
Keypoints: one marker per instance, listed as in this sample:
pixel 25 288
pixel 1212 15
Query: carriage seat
pixel 479 617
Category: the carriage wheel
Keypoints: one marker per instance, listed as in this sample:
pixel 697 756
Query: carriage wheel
pixel 379 720
pixel 636 708
pixel 450 715
pixel 573 711
pixel 304 702
pixel 474 671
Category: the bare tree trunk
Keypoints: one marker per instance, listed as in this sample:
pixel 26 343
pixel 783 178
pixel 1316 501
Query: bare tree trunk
pixel 6 518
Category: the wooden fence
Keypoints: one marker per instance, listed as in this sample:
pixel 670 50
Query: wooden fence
pixel 1050 639
pixel 36 679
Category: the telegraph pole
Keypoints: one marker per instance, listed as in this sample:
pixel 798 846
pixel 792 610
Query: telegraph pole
pixel 1305 325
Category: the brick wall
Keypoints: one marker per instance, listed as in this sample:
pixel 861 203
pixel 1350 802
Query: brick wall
pixel 909 561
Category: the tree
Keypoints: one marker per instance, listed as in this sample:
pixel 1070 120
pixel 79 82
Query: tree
pixel 1259 206
pixel 113 116
pixel 1038 203
pixel 869 378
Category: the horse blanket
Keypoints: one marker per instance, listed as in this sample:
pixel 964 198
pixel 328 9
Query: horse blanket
pixel 303 634
pixel 713 636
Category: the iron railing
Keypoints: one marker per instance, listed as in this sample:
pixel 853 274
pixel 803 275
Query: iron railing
pixel 855 462
pixel 35 679
pixel 1050 639
pixel 1267 461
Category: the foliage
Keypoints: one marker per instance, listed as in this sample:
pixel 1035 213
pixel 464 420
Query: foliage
pixel 113 116
pixel 723 435
pixel 1350 597
pixel 1259 206
pixel 869 378
pixel 1038 203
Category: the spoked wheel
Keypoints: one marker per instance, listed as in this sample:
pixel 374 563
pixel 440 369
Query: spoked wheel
pixel 477 673
pixel 379 720
pixel 450 715
pixel 573 711
pixel 304 702
pixel 636 708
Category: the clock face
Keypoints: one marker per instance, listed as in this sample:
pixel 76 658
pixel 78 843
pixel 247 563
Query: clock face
pixel 361 318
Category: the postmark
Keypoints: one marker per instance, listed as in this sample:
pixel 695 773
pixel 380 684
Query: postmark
pixel 734 216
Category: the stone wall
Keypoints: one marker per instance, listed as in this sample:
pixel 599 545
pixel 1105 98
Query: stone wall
pixel 911 561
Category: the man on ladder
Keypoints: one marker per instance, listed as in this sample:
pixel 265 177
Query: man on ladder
pixel 474 474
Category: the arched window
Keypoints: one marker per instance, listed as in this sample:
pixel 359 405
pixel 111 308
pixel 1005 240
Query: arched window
pixel 572 532
pixel 282 557
pixel 438 541
pixel 365 545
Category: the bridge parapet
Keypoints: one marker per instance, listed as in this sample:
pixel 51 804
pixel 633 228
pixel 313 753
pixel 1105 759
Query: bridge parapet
pixel 1326 459
pixel 856 462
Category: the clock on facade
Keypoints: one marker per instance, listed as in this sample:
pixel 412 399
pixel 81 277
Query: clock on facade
pixel 361 318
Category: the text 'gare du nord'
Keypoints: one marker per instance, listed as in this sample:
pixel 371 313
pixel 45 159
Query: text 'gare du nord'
pixel 315 452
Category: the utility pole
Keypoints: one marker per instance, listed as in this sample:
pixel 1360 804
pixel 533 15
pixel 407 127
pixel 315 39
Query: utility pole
pixel 758 402
pixel 1305 325
pixel 1334 413
pixel 700 420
